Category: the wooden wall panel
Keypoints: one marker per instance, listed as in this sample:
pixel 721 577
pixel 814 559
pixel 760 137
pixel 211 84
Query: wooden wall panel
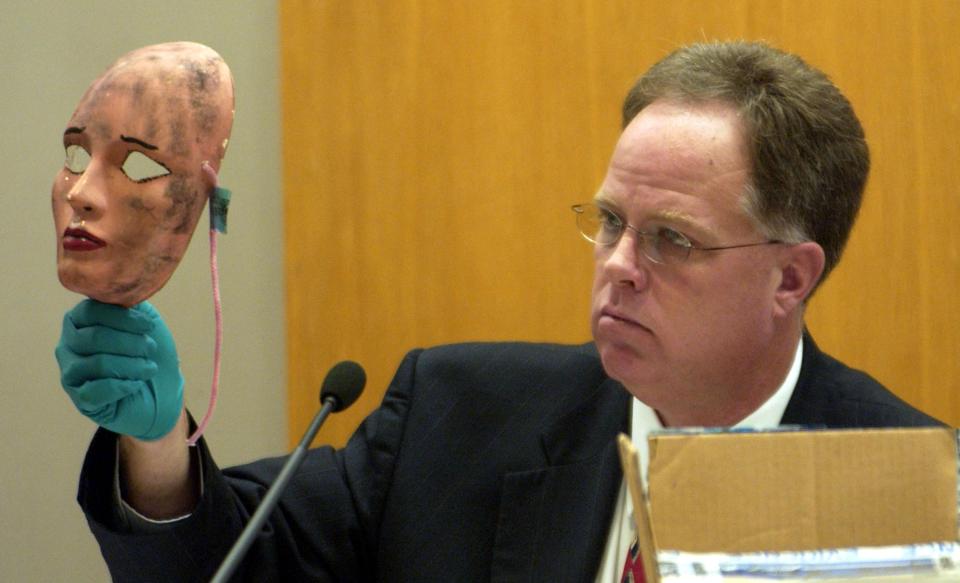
pixel 432 149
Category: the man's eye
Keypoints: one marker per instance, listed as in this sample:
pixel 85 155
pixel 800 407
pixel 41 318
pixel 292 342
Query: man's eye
pixel 77 159
pixel 673 237
pixel 609 222
pixel 140 168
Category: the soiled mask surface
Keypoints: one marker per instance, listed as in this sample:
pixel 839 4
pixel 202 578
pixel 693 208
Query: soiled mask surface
pixel 131 190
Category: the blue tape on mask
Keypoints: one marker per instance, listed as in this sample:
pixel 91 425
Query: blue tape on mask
pixel 219 202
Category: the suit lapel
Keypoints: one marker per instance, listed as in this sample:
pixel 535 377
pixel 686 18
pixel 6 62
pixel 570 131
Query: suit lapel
pixel 554 520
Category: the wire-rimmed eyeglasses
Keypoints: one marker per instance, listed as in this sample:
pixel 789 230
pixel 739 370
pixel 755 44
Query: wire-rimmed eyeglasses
pixel 665 246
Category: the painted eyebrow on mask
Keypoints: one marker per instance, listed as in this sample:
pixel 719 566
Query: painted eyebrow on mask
pixel 138 142
pixel 73 130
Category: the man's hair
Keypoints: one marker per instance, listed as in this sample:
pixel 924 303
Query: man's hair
pixel 808 155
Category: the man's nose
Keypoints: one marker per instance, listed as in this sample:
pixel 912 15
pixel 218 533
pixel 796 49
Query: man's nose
pixel 625 263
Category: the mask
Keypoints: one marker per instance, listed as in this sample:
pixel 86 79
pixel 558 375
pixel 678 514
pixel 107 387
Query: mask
pixel 132 187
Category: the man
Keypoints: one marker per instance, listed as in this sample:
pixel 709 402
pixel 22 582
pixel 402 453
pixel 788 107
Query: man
pixel 730 193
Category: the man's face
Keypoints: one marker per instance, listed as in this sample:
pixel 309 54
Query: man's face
pixel 682 336
pixel 131 190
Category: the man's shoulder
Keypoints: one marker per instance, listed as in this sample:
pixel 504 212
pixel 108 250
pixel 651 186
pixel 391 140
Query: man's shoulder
pixel 499 361
pixel 512 369
pixel 833 394
pixel 522 353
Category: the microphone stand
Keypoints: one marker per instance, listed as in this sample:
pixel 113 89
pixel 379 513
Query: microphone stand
pixel 230 564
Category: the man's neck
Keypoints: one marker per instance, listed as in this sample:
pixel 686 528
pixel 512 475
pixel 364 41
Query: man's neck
pixel 738 398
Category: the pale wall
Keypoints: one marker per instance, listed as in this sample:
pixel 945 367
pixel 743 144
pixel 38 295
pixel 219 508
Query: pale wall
pixel 49 52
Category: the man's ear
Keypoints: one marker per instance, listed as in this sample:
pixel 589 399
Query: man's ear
pixel 801 266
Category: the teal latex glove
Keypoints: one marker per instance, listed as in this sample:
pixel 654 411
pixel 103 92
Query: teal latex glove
pixel 120 368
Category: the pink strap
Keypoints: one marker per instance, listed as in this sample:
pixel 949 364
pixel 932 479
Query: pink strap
pixel 218 318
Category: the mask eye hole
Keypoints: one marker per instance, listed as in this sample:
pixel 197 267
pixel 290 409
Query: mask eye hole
pixel 141 168
pixel 77 159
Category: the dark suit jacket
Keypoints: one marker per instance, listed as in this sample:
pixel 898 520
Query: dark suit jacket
pixel 484 462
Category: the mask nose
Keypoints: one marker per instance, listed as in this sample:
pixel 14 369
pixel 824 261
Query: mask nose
pixel 87 195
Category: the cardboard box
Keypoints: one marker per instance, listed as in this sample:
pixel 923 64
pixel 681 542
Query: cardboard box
pixel 796 490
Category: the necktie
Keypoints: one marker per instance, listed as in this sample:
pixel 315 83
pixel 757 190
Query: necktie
pixel 633 566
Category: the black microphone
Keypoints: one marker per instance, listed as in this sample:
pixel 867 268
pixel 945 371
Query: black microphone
pixel 340 389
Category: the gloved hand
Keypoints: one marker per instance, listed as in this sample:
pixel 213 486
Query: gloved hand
pixel 120 368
